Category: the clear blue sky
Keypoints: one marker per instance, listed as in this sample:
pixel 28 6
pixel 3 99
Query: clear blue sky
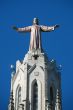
pixel 58 44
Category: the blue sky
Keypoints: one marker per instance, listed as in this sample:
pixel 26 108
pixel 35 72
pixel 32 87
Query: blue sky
pixel 58 44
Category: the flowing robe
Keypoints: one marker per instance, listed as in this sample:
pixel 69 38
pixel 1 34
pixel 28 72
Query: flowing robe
pixel 35 30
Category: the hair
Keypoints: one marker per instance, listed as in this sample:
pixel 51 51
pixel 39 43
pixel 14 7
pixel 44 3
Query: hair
pixel 35 21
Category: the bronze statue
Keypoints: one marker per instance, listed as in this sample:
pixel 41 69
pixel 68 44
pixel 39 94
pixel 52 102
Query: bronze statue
pixel 35 30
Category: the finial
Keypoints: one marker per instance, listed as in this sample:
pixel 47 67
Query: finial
pixel 12 69
pixel 59 67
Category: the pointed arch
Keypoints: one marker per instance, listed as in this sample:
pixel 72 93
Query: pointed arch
pixel 36 91
pixel 17 97
pixel 52 96
pixel 35 96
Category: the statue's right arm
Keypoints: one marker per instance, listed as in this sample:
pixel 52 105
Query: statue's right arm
pixel 24 29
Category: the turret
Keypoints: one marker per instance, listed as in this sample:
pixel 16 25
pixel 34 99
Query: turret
pixel 58 101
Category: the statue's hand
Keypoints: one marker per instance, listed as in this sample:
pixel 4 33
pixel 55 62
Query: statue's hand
pixel 15 28
pixel 56 26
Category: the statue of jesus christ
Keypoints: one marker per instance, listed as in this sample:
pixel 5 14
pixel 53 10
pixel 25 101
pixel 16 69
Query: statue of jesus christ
pixel 35 30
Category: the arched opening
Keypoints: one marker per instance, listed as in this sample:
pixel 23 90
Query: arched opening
pixel 18 98
pixel 52 98
pixel 19 95
pixel 35 96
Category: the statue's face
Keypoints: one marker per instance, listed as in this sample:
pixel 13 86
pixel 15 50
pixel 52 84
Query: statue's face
pixel 35 21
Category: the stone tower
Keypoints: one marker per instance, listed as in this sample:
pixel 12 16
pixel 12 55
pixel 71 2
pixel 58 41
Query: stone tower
pixel 36 84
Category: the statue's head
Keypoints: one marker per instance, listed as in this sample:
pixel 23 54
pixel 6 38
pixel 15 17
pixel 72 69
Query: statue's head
pixel 35 21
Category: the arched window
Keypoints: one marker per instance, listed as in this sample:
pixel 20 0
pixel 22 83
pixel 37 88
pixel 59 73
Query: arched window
pixel 19 95
pixel 51 94
pixel 18 98
pixel 52 97
pixel 35 96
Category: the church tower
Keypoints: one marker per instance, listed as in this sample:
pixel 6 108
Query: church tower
pixel 36 83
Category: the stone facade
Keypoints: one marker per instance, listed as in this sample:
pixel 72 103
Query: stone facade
pixel 36 85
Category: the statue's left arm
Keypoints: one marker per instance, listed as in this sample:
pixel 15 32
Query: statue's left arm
pixel 49 28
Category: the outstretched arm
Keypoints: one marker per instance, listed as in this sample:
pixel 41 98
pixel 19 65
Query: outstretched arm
pixel 50 28
pixel 24 29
